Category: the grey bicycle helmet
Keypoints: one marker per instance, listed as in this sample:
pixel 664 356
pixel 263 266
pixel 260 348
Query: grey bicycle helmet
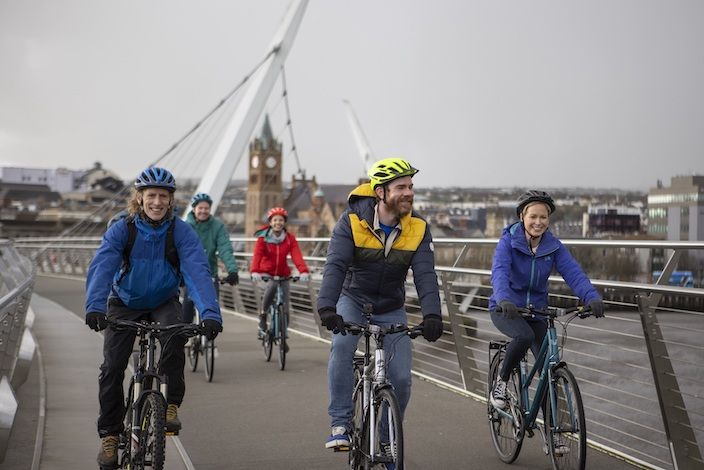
pixel 534 195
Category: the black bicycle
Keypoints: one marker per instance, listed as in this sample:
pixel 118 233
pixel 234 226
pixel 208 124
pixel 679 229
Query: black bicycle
pixel 376 437
pixel 143 440
pixel 277 322
pixel 201 346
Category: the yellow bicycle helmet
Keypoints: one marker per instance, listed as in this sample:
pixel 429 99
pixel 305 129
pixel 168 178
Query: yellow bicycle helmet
pixel 389 169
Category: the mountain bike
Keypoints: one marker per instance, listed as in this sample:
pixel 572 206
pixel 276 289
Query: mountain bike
pixel 202 346
pixel 277 322
pixel 143 440
pixel 564 429
pixel 376 437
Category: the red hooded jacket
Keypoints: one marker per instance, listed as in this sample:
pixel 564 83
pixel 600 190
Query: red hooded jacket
pixel 270 258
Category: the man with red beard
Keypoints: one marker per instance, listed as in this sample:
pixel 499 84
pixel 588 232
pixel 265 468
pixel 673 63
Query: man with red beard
pixel 374 244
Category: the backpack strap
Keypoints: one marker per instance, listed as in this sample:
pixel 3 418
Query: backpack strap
pixel 171 252
pixel 131 237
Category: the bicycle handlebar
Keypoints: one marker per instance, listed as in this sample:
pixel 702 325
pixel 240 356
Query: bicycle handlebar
pixel 357 328
pixel 280 278
pixel 553 312
pixel 186 329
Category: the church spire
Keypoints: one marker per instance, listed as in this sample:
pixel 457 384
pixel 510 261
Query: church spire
pixel 267 136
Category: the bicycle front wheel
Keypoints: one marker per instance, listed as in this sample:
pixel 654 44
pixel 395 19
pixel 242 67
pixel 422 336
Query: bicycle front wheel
pixel 209 353
pixel 565 424
pixel 281 317
pixel 506 433
pixel 388 431
pixel 193 352
pixel 152 433
pixel 268 342
pixel 357 456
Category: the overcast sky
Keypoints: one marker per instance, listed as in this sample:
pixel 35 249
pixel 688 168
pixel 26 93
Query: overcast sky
pixel 514 93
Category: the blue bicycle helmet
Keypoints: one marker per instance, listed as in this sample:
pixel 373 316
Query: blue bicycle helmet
pixel 200 197
pixel 155 177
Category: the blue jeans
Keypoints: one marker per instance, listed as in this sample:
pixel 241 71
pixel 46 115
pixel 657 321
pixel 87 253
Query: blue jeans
pixel 340 371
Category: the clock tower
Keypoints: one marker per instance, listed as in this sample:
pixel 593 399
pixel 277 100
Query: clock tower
pixel 265 188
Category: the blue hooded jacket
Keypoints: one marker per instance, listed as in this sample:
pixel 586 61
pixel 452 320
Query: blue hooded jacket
pixel 522 278
pixel 151 279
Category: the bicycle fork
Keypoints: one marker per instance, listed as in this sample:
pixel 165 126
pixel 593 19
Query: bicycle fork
pixel 379 378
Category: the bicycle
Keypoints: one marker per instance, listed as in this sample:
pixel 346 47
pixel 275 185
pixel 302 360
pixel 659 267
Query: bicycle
pixel 143 439
pixel 557 393
pixel 277 322
pixel 202 347
pixel 376 436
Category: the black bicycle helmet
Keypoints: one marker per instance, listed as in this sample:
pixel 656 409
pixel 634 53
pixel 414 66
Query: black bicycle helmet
pixel 534 195
pixel 155 177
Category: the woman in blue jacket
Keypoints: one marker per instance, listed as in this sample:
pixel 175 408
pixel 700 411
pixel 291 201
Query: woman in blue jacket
pixel 525 257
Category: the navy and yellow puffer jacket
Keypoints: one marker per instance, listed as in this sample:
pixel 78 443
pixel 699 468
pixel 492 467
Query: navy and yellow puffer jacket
pixel 358 267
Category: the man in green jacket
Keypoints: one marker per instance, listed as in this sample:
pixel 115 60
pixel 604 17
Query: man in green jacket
pixel 216 243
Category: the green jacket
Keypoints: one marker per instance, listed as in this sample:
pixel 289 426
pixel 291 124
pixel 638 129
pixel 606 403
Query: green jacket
pixel 216 242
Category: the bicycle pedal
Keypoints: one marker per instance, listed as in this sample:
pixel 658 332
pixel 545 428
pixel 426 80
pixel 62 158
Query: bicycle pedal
pixel 172 433
pixel 529 433
pixel 342 449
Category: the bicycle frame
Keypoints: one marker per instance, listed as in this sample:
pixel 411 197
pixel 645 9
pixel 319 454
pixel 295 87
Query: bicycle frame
pixel 548 358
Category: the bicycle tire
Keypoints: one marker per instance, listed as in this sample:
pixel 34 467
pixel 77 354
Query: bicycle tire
pixel 127 428
pixel 209 353
pixel 193 353
pixel 571 429
pixel 386 409
pixel 281 318
pixel 268 340
pixel 506 437
pixel 153 433
pixel 356 457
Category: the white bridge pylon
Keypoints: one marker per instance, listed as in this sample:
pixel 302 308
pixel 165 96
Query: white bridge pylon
pixel 239 129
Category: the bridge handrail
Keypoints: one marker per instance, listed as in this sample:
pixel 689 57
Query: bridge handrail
pixel 610 362
pixel 16 345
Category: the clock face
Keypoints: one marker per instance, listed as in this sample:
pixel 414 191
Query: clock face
pixel 271 162
pixel 255 161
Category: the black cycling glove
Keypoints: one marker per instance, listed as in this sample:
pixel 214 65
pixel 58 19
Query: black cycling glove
pixel 508 309
pixel 332 321
pixel 432 327
pixel 233 279
pixel 211 328
pixel 597 307
pixel 96 321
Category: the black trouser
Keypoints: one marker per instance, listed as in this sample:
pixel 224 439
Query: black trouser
pixel 117 349
pixel 270 293
pixel 189 311
pixel 525 333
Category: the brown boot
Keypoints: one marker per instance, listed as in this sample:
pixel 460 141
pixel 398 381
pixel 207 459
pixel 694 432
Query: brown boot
pixel 173 424
pixel 107 457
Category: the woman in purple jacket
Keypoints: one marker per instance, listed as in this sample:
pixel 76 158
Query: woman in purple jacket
pixel 525 257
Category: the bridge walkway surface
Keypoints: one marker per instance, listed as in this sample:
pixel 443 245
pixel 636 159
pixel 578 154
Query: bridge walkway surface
pixel 252 416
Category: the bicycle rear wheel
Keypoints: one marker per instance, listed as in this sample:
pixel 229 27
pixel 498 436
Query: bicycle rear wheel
pixel 388 444
pixel 565 425
pixel 281 317
pixel 193 352
pixel 153 433
pixel 506 434
pixel 209 353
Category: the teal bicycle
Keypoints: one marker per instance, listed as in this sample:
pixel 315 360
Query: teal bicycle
pixel 277 322
pixel 564 428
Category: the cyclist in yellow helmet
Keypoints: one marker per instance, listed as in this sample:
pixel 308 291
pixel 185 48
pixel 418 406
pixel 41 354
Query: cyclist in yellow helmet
pixel 374 244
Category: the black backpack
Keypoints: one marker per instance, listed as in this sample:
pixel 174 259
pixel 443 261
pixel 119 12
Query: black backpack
pixel 170 252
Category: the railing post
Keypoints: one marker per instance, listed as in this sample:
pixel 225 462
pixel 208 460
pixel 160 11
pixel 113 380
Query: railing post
pixel 680 438
pixel 459 324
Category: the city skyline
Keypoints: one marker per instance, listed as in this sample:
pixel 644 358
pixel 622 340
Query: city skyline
pixel 474 94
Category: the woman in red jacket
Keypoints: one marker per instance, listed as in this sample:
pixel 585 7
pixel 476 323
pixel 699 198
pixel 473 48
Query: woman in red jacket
pixel 273 246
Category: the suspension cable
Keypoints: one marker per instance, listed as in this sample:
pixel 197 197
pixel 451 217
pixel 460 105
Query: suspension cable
pixel 288 121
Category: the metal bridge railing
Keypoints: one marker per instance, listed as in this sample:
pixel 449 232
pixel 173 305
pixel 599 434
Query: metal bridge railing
pixel 17 346
pixel 640 369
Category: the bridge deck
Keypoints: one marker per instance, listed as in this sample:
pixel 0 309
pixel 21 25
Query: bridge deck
pixel 251 416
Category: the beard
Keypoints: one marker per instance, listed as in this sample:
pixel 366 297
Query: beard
pixel 400 206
